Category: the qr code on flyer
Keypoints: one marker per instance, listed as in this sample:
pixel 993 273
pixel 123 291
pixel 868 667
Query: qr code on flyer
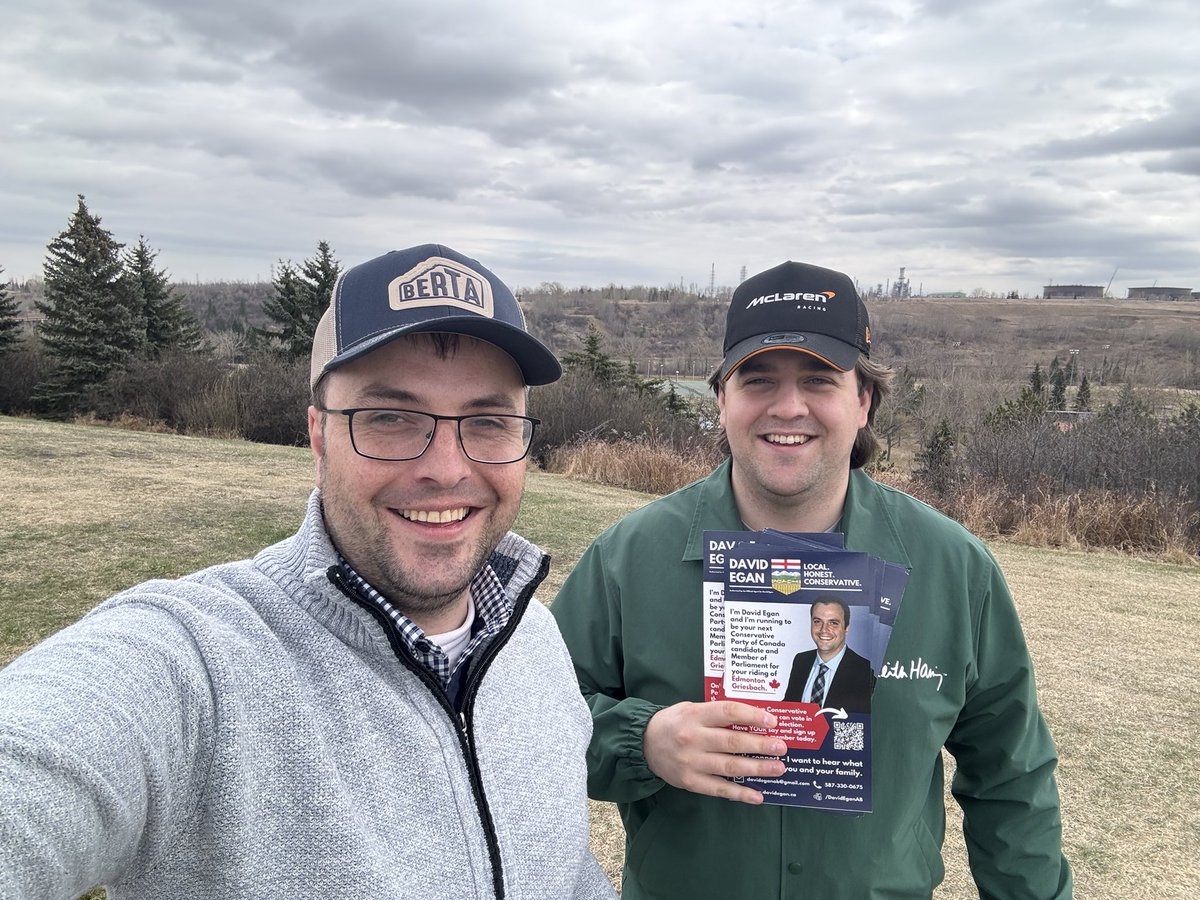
pixel 847 735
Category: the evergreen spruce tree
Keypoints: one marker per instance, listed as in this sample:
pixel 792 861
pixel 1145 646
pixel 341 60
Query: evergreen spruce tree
pixel 10 328
pixel 673 403
pixel 593 361
pixel 301 296
pixel 936 461
pixel 169 325
pixel 1036 383
pixel 1129 408
pixel 91 327
pixel 1058 390
pixel 1025 409
pixel 1083 397
pixel 285 308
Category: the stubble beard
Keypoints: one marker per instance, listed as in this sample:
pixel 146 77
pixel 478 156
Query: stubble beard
pixel 777 489
pixel 412 592
pixel 364 541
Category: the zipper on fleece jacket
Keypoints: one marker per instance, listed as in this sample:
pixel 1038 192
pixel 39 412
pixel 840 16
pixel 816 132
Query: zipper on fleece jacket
pixel 464 723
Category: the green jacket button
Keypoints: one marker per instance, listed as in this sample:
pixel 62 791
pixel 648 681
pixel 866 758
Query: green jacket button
pixel 795 868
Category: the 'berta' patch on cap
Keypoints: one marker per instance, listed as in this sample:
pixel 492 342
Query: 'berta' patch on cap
pixel 438 281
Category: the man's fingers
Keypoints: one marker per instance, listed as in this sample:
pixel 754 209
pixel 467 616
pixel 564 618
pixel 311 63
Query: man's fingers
pixel 730 712
pixel 727 740
pixel 712 774
pixel 693 728
pixel 728 790
pixel 717 736
pixel 730 766
pixel 690 745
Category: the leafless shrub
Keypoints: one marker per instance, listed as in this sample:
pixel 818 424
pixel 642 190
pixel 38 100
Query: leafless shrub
pixel 1124 449
pixel 24 368
pixel 641 465
pixel 1045 517
pixel 228 346
pixel 156 390
pixel 578 409
pixel 212 412
pixel 1123 478
pixel 264 400
pixel 272 401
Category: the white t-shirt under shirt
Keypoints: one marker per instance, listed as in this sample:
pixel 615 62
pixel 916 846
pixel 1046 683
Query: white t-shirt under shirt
pixel 453 643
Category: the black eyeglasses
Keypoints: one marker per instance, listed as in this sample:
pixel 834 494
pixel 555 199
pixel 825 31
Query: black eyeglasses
pixel 399 434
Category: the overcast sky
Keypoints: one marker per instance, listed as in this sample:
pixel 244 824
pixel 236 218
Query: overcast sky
pixel 1000 145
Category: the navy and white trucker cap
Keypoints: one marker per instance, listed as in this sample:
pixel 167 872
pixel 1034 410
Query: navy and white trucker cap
pixel 422 289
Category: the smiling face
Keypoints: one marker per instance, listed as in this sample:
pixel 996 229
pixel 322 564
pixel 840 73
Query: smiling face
pixel 419 530
pixel 791 421
pixel 829 629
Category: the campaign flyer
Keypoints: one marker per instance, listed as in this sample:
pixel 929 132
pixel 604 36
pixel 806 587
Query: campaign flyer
pixel 771 595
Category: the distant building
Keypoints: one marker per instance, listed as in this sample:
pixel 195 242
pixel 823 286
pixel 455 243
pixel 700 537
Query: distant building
pixel 1160 293
pixel 1073 292
pixel 947 295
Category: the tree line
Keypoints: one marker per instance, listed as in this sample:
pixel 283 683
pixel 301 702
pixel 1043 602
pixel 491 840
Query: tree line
pixel 119 344
pixel 109 312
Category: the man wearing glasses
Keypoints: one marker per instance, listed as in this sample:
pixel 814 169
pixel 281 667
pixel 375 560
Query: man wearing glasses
pixel 373 707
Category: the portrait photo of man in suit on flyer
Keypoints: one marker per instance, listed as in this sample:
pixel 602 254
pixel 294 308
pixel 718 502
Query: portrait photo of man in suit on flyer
pixel 831 675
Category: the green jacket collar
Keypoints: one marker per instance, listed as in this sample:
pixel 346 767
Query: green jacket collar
pixel 866 518
pixel 715 510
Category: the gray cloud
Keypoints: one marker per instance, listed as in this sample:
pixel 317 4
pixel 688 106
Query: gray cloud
pixel 1185 162
pixel 1175 130
pixel 977 144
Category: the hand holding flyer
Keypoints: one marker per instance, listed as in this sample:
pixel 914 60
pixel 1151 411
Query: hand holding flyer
pixel 803 626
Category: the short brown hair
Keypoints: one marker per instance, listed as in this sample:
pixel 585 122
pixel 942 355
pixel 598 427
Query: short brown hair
pixel 829 600
pixel 875 375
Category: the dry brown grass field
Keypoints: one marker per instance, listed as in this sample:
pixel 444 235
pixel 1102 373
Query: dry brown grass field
pixel 90 510
pixel 977 341
pixel 1157 341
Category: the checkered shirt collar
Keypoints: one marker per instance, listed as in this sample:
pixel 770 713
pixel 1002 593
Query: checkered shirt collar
pixel 492 610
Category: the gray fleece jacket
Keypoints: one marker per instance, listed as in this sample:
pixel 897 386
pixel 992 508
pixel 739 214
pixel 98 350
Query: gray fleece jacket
pixel 251 731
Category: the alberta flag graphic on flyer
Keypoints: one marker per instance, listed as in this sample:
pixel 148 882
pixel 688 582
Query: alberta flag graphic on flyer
pixel 804 627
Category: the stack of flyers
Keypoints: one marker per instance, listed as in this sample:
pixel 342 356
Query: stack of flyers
pixel 793 618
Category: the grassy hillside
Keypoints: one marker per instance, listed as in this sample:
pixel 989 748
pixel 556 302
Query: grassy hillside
pixel 89 511
pixel 984 341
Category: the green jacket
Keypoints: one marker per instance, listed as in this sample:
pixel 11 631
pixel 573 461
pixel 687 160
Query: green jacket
pixel 631 616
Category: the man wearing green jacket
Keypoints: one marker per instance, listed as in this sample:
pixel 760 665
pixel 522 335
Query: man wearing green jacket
pixel 797 394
